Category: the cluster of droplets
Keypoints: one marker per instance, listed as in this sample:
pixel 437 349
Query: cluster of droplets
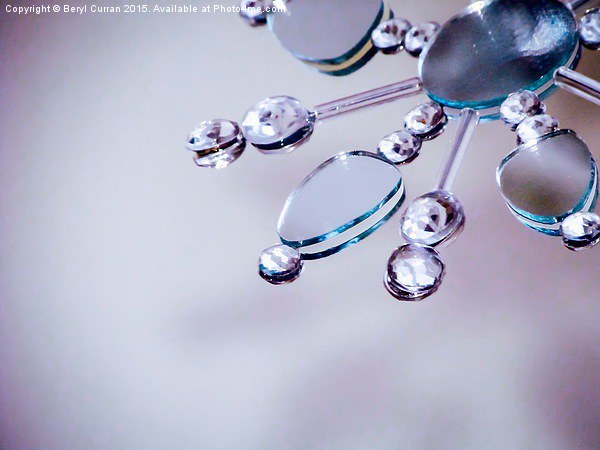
pixel 397 34
pixel 415 269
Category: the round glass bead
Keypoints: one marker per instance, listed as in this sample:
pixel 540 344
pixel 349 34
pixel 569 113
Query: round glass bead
pixel 414 272
pixel 280 264
pixel 419 36
pixel 388 37
pixel 216 143
pixel 548 179
pixel 426 121
pixel 581 231
pixel 534 127
pixel 400 147
pixel 277 124
pixel 520 105
pixel 434 218
pixel 589 29
pixel 255 11
pixel 496 47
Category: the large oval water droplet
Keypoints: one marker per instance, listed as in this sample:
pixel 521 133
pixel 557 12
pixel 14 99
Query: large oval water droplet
pixel 340 203
pixel 547 180
pixel 333 36
pixel 497 47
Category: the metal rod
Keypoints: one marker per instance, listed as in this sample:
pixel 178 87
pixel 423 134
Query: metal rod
pixel 468 120
pixel 576 4
pixel 378 96
pixel 578 84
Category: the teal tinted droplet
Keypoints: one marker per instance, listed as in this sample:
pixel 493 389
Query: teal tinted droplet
pixel 340 203
pixel 546 180
pixel 497 47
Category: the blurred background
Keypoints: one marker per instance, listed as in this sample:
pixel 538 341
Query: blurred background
pixel 131 314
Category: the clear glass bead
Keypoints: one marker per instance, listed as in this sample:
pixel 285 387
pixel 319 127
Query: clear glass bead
pixel 280 264
pixel 496 47
pixel 549 179
pixel 255 11
pixel 532 128
pixel 434 218
pixel 340 203
pixel 426 121
pixel 419 36
pixel 277 124
pixel 400 147
pixel 414 272
pixel 520 105
pixel 589 29
pixel 332 36
pixel 216 143
pixel 388 37
pixel 581 231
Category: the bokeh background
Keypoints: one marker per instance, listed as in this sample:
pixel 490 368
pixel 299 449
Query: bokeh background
pixel 131 315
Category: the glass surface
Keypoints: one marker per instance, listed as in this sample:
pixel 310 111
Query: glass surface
pixel 334 36
pixel 547 180
pixel 337 197
pixel 497 47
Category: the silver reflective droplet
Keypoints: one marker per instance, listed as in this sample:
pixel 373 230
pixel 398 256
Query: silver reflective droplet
pixel 280 264
pixel 419 36
pixel 388 37
pixel 414 272
pixel 400 147
pixel 589 29
pixel 532 128
pixel 255 11
pixel 434 218
pixel 216 143
pixel 278 124
pixel 581 231
pixel 427 120
pixel 520 105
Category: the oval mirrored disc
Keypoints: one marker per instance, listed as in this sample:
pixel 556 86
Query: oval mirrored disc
pixel 333 36
pixel 546 180
pixel 497 47
pixel 340 203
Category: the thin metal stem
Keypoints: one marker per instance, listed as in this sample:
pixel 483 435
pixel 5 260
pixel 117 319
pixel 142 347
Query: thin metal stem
pixel 578 84
pixel 574 5
pixel 378 96
pixel 468 120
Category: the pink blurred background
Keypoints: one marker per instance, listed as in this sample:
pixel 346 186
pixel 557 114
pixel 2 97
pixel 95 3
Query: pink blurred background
pixel 131 315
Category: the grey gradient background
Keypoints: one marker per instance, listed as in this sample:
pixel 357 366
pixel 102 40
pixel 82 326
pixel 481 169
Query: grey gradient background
pixel 131 315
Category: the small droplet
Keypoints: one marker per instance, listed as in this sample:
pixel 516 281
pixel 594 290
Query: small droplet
pixel 520 105
pixel 433 218
pixel 419 36
pixel 216 143
pixel 400 147
pixel 532 128
pixel 388 37
pixel 581 231
pixel 254 11
pixel 277 124
pixel 414 272
pixel 589 29
pixel 280 264
pixel 426 121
